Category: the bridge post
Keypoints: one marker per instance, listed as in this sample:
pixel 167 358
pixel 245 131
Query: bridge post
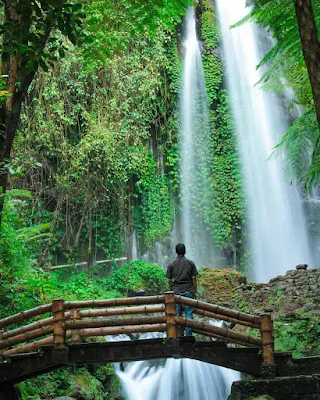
pixel 75 333
pixel 60 350
pixel 268 367
pixel 170 311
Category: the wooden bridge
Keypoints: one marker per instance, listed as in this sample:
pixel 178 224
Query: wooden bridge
pixel 61 334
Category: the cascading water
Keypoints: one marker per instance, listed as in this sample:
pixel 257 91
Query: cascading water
pixel 186 379
pixel 175 379
pixel 278 237
pixel 134 246
pixel 195 163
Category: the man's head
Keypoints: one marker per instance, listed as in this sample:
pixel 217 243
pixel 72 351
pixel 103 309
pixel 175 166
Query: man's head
pixel 180 249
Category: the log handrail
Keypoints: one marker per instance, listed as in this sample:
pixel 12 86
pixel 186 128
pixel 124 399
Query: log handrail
pixel 125 301
pixel 122 311
pixel 222 311
pixel 24 315
pixel 221 332
pixel 103 322
pixel 76 320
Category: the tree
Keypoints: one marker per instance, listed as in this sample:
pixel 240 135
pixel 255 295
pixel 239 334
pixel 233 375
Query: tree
pixel 311 50
pixel 26 30
pixel 31 38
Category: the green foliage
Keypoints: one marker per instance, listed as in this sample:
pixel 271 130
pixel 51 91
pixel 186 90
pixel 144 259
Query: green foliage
pixel 299 143
pixel 299 335
pixel 138 275
pixel 125 21
pixel 286 68
pixel 98 383
pixel 155 211
pixel 81 286
pixel 89 131
pixel 18 251
pixel 227 214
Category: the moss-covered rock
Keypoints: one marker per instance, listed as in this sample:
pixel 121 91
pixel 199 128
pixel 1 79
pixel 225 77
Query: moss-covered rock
pixel 217 285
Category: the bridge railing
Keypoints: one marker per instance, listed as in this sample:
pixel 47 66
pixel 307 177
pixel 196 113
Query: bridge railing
pixel 71 322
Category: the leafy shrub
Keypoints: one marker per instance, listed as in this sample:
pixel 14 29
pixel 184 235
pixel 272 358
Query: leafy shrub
pixel 138 275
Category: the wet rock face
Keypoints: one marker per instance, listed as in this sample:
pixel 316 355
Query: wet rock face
pixel 297 290
pixel 282 388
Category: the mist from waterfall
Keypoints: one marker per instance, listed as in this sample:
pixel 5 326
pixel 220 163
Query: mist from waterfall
pixel 195 165
pixel 278 237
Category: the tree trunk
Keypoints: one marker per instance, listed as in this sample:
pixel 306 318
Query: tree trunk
pixel 14 67
pixel 310 47
pixel 9 120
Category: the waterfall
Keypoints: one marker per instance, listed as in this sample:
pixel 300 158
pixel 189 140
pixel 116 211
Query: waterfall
pixel 195 165
pixel 178 379
pixel 134 246
pixel 277 232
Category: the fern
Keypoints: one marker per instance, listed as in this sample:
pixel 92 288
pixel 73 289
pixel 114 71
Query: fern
pixel 285 66
pixel 34 232
pixel 285 58
pixel 299 142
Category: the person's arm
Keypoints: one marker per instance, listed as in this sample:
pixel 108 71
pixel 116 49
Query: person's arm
pixel 195 285
pixel 169 276
pixel 194 273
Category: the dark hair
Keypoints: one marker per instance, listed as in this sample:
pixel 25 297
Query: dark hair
pixel 180 249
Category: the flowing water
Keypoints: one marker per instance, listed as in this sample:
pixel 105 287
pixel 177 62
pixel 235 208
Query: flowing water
pixel 178 379
pixel 277 234
pixel 195 153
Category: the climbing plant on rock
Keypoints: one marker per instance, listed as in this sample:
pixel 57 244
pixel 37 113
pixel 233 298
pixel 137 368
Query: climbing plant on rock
pixel 227 213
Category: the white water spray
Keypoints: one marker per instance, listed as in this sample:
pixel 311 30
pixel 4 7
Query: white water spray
pixel 178 379
pixel 195 166
pixel 278 238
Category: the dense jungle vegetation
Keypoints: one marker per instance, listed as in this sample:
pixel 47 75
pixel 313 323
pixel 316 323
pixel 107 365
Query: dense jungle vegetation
pixel 89 144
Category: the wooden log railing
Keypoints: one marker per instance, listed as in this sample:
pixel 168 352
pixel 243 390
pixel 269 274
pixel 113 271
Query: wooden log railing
pixel 71 322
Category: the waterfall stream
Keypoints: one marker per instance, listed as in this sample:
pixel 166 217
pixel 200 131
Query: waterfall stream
pixel 277 232
pixel 178 379
pixel 185 379
pixel 196 159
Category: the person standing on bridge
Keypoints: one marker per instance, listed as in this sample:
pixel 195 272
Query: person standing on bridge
pixel 182 275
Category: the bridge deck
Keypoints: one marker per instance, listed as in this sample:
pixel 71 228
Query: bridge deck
pixel 24 366
pixel 247 360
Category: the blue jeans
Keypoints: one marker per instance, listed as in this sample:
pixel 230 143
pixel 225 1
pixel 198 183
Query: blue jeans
pixel 187 310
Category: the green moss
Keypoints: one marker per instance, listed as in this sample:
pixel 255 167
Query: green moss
pixel 98 383
pixel 219 284
pixel 299 335
pixel 227 214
